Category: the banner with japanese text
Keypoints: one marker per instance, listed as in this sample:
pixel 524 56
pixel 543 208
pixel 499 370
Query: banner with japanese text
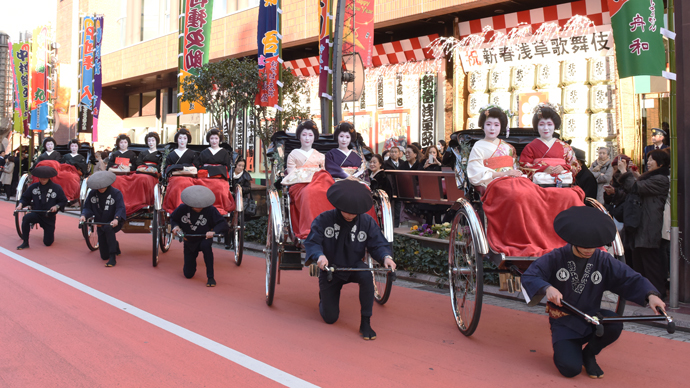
pixel 637 30
pixel 39 81
pixel 97 73
pixel 20 57
pixel 86 66
pixel 358 29
pixel 269 41
pixel 324 46
pixel 427 110
pixel 195 42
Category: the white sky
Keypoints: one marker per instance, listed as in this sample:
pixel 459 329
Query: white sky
pixel 25 15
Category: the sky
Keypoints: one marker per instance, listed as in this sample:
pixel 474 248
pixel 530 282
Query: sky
pixel 23 15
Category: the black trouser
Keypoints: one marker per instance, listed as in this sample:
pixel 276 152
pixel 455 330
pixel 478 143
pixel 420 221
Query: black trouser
pixel 397 208
pixel 191 251
pixel 649 262
pixel 47 224
pixel 329 307
pixel 9 191
pixel 567 354
pixel 107 243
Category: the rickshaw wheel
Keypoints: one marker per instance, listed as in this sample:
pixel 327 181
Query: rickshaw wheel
pixel 465 272
pixel 155 236
pixel 90 236
pixel 23 184
pixel 238 235
pixel 18 217
pixel 166 237
pixel 272 257
pixel 382 281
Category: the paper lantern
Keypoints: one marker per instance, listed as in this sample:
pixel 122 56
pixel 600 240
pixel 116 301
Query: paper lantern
pixel 575 98
pixel 501 99
pixel 601 70
pixel 522 77
pixel 472 123
pixel 499 78
pixel 601 98
pixel 478 81
pixel 574 71
pixel 575 126
pixel 476 101
pixel 603 125
pixel 548 75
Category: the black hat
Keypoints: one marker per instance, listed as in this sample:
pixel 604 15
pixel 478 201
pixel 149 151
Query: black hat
pixel 350 196
pixel 44 172
pixel 659 131
pixel 579 154
pixel 100 180
pixel 585 227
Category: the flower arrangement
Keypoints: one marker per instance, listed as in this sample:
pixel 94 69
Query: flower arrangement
pixel 441 231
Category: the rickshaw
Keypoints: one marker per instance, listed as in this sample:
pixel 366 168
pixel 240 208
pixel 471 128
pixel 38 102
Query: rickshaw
pixel 283 249
pixel 75 198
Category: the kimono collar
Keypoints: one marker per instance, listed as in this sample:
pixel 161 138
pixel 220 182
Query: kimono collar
pixel 305 153
pixel 550 142
pixel 347 154
pixel 180 153
pixel 75 154
pixel 214 151
pixel 49 153
pixel 122 151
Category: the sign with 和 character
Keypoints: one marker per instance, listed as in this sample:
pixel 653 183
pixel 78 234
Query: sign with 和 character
pixel 195 36
pixel 427 109
pixel 637 30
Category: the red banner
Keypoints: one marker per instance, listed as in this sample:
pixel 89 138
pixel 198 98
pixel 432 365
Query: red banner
pixel 361 34
pixel 269 40
pixel 324 45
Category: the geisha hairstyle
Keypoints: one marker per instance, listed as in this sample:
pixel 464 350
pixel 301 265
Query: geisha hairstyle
pixel 153 135
pixel 345 126
pixel 47 139
pixel 214 132
pixel 74 141
pixel 496 113
pixel 308 125
pixel 545 112
pixel 120 138
pixel 183 131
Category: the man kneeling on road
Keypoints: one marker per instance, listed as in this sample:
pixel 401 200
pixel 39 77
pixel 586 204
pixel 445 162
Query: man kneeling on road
pixel 45 198
pixel 339 238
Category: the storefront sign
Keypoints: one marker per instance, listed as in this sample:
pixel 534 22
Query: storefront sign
pixel 240 132
pixel 398 90
pixel 595 43
pixel 86 89
pixel 427 109
pixel 97 74
pixel 269 41
pixel 195 35
pixel 251 140
pixel 379 93
pixel 637 29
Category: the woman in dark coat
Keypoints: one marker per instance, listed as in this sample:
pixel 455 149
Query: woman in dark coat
pixel 652 187
pixel 413 155
pixel 242 178
pixel 377 177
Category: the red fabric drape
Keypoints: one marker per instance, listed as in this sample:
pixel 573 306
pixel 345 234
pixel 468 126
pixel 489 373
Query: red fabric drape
pixel 520 215
pixel 307 201
pixel 137 190
pixel 225 203
pixel 67 178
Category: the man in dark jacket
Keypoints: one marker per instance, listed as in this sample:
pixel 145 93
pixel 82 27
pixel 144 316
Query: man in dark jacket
pixel 46 198
pixel 585 179
pixel 105 204
pixel 394 163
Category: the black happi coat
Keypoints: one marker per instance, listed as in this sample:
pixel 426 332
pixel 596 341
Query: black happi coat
pixel 601 273
pixel 78 161
pixel 106 206
pixel 43 197
pixel 222 158
pixel 44 156
pixel 191 222
pixel 150 158
pixel 129 154
pixel 364 235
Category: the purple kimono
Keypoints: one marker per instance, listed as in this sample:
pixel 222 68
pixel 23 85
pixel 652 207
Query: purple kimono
pixel 336 160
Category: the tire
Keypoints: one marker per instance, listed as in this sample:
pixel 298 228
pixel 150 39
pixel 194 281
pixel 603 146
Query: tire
pixel 465 273
pixel 613 302
pixel 90 236
pixel 18 217
pixel 238 235
pixel 272 257
pixel 22 185
pixel 155 237
pixel 382 282
pixel 165 231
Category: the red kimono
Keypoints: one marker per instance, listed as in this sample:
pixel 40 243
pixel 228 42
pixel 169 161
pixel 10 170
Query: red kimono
pixel 537 156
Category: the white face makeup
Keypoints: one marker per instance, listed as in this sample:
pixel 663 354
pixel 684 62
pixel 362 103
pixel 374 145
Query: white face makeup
pixel 182 141
pixel 492 127
pixel 306 138
pixel 546 128
pixel 50 146
pixel 344 139
pixel 73 148
pixel 214 140
pixel 122 145
pixel 151 141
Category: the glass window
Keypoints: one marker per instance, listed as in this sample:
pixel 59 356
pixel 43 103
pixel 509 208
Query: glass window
pixel 148 103
pixel 150 17
pixel 133 106
pixel 220 8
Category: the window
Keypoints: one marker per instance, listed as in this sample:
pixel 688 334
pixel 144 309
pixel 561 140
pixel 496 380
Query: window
pixel 150 18
pixel 133 105
pixel 148 103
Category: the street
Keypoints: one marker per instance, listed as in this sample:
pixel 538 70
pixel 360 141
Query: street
pixel 66 320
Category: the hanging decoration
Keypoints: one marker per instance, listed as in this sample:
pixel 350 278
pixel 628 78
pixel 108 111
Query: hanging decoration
pixel 195 42
pixel 269 42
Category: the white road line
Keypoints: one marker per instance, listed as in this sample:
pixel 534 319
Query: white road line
pixel 241 359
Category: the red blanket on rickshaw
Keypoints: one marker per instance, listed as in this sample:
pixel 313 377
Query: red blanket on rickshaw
pixel 67 177
pixel 520 215
pixel 225 203
pixel 137 190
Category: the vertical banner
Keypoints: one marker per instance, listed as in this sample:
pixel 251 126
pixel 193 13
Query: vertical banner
pixel 195 41
pixel 637 32
pixel 251 140
pixel 20 56
pixel 97 75
pixel 239 132
pixel 324 46
pixel 427 109
pixel 86 69
pixel 39 82
pixel 269 41
pixel 358 29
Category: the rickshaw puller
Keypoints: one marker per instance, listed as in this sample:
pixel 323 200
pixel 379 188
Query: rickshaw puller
pixel 340 237
pixel 197 215
pixel 579 273
pixel 43 195
pixel 105 204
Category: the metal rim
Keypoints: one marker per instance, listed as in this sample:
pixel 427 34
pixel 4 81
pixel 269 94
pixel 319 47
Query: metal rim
pixel 238 235
pixel 382 283
pixel 465 274
pixel 155 236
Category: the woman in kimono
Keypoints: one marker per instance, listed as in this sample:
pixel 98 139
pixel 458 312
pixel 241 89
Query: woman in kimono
pixel 76 160
pixel 547 157
pixel 216 160
pixel 579 273
pixel 515 207
pixel 307 180
pixel 122 143
pixel 181 155
pixel 150 160
pixel 49 153
pixel 342 162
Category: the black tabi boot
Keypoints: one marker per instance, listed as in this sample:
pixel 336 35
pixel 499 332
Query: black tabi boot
pixel 365 328
pixel 211 282
pixel 590 363
pixel 24 245
pixel 112 261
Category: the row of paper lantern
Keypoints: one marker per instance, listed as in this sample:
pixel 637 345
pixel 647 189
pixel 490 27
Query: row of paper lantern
pixel 573 125
pixel 593 71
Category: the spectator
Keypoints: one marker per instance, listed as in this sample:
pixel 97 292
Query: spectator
pixel 384 155
pixel 584 178
pixel 652 188
pixel 377 177
pixel 413 156
pixel 614 202
pixel 242 178
pixel 431 159
pixel 658 137
pixel 441 145
pixel 394 163
pixel 602 171
pixel 6 178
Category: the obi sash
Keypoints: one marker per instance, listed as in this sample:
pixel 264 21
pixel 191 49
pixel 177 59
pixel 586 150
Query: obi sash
pixel 216 170
pixel 499 162
pixel 551 162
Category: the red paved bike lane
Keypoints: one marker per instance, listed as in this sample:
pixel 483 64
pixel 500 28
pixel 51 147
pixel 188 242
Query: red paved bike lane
pixel 55 335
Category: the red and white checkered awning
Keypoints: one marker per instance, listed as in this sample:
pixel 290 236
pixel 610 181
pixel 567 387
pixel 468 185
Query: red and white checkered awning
pixel 408 50
pixel 596 10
